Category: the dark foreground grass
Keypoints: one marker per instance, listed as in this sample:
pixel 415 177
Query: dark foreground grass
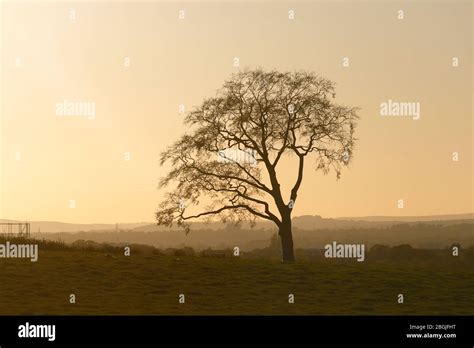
pixel 149 284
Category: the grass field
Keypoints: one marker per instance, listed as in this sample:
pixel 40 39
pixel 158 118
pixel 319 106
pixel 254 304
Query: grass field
pixel 150 284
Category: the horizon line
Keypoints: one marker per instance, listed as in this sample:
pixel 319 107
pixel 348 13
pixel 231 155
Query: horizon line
pixel 217 221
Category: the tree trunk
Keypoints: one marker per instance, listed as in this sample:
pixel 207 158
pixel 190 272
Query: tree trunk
pixel 286 238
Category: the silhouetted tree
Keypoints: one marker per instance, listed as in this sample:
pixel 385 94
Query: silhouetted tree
pixel 236 142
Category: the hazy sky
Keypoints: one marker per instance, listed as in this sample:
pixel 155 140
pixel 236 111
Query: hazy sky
pixel 50 54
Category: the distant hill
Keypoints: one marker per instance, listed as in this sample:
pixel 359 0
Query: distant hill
pixel 316 222
pixel 417 234
pixel 55 226
pixel 468 216
pixel 312 222
pixel 304 222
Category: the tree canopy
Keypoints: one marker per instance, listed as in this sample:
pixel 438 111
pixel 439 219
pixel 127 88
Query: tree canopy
pixel 267 115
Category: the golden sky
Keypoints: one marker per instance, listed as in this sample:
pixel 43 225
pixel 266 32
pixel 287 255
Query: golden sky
pixel 51 54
